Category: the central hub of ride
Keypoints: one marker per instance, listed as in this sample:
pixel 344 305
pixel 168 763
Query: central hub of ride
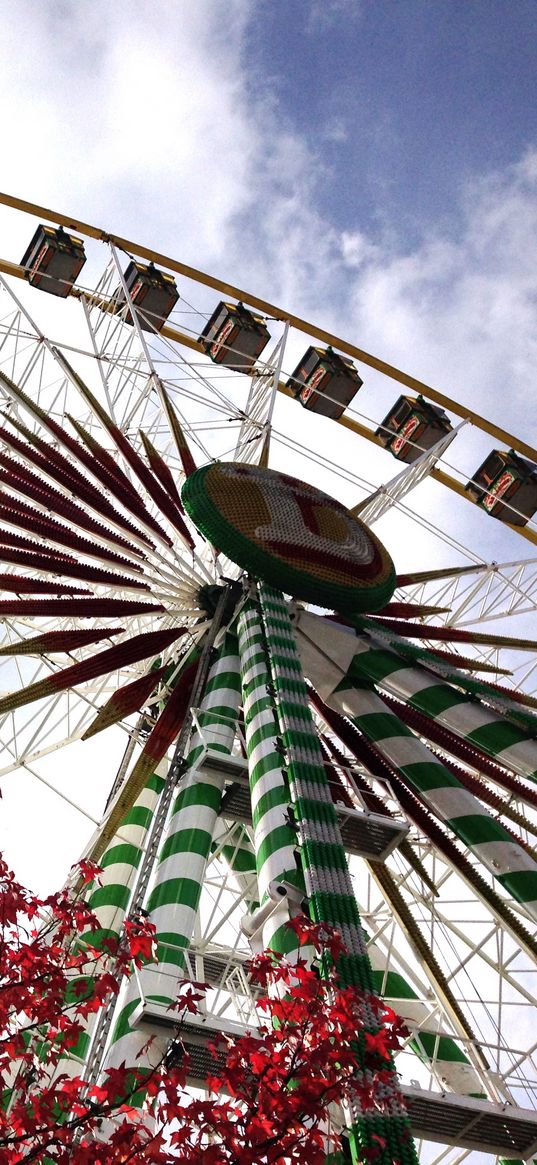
pixel 291 535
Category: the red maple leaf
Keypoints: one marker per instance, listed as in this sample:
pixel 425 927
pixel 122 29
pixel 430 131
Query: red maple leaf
pixel 89 871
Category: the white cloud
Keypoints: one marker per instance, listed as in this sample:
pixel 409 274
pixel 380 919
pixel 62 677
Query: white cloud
pixel 356 249
pixel 134 114
pixel 324 14
pixel 461 308
pixel 148 120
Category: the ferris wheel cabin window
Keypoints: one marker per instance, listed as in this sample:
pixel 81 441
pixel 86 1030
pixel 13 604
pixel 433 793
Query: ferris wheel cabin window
pixel 153 292
pixel 412 426
pixel 325 382
pixel 506 486
pixel 53 260
pixel 234 336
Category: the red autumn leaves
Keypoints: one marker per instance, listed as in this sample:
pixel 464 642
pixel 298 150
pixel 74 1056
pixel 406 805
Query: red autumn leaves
pixel 272 1091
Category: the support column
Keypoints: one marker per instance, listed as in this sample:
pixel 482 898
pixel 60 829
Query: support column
pixel 275 839
pixel 351 693
pixel 174 899
pixel 110 900
pixel 324 862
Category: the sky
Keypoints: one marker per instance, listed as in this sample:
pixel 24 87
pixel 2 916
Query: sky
pixel 413 100
pixel 369 164
pixel 372 162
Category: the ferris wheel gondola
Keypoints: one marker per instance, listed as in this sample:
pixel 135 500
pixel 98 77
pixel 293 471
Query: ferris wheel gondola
pixel 131 524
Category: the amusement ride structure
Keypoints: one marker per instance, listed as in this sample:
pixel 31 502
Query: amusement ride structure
pixel 190 561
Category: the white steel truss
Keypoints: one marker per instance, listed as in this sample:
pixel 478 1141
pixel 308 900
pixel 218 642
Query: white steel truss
pixel 126 366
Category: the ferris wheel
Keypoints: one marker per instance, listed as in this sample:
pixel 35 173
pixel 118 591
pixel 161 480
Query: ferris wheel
pixel 192 484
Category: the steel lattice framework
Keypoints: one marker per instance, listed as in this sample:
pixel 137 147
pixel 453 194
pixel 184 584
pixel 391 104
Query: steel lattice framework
pixel 92 394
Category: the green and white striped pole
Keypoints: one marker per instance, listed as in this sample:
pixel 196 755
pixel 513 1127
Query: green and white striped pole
pixel 275 840
pixel 516 706
pixel 323 857
pixel 444 795
pixel 121 860
pixel 174 899
pixel 110 900
pixel 361 659
pixel 324 862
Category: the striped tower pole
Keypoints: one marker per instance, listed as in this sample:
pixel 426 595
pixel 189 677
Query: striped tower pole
pixel 275 840
pixel 122 858
pixel 513 704
pixel 174 899
pixel 110 900
pixel 324 862
pixel 361 658
pixel 510 744
pixel 437 786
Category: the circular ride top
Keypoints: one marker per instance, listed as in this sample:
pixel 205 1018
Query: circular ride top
pixel 179 511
